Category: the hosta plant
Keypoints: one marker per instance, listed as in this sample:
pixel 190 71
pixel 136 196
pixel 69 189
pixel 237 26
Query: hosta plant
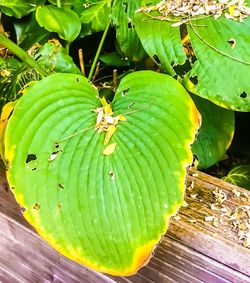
pixel 100 168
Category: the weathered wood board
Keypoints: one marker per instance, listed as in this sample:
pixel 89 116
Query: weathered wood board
pixel 205 242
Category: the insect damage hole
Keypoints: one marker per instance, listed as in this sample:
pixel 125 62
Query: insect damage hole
pixel 232 42
pixel 243 94
pixel 194 80
pixel 54 155
pixel 125 92
pixel 131 25
pixel 60 186
pixel 36 206
pixel 31 157
pixel 112 175
pixel 157 59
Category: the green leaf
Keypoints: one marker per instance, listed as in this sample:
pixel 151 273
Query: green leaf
pixel 223 70
pixel 65 22
pixel 239 176
pixel 54 58
pixel 215 135
pixel 161 42
pixel 18 8
pixel 95 16
pixel 105 211
pixel 122 17
pixel 221 46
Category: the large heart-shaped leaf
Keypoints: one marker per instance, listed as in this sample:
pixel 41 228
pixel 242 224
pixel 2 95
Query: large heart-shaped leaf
pixel 221 47
pixel 122 17
pixel 65 22
pixel 105 206
pixel 215 135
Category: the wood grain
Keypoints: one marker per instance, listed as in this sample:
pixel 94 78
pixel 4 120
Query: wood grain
pixel 192 251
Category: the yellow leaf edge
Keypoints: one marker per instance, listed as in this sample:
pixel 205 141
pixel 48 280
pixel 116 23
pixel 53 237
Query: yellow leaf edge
pixel 144 253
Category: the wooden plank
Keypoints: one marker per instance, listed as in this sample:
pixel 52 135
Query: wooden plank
pixel 192 251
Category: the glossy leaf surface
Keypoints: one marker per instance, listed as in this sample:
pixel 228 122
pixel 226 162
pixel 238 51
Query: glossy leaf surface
pixel 62 21
pixel 106 211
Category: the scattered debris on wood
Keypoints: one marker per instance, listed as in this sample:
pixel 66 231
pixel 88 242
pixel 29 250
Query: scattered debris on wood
pixel 232 9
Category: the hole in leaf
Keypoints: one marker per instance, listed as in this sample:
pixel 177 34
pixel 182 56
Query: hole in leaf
pixel 130 25
pixel 125 91
pixel 36 206
pixel 243 94
pixel 34 169
pixel 194 80
pixel 78 80
pixel 53 155
pixel 111 175
pixel 13 188
pixel 60 186
pixel 59 206
pixel 23 209
pixel 156 59
pixel 125 5
pixel 31 157
pixel 57 145
pixel 232 42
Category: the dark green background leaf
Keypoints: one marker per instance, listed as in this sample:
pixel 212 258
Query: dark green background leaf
pixel 239 176
pixel 215 135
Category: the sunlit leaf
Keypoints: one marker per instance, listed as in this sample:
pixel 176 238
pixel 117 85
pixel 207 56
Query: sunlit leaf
pixel 107 212
pixel 64 22
pixel 219 54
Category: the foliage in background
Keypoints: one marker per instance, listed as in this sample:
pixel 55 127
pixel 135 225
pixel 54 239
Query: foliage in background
pixel 239 176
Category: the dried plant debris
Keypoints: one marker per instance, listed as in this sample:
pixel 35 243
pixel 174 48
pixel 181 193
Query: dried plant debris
pixel 236 217
pixel 105 122
pixel 232 9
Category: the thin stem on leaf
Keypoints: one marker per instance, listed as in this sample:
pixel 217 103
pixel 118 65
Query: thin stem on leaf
pixel 21 54
pixel 91 72
pixel 59 3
